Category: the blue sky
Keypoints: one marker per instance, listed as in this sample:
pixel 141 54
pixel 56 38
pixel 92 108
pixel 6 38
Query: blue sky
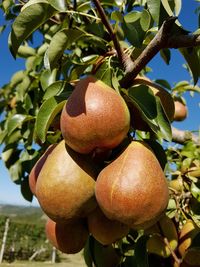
pixel 10 192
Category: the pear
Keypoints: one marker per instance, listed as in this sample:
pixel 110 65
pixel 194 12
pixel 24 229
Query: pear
pixel 104 230
pixel 94 117
pixel 133 188
pixel 164 228
pixel 37 168
pixel 69 237
pixel 66 183
pixel 181 111
pixel 187 234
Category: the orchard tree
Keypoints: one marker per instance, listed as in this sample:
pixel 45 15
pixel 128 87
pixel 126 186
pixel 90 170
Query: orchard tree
pixel 88 133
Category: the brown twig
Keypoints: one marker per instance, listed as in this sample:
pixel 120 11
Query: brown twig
pixel 105 21
pixel 181 136
pixel 149 52
pixel 166 241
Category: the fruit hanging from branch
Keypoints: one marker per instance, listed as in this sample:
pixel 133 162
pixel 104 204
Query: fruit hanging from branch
pixel 133 189
pixel 65 185
pixel 69 237
pixel 181 111
pixel 94 117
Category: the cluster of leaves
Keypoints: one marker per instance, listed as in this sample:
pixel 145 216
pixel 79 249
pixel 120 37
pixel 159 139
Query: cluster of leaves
pixel 184 171
pixel 72 42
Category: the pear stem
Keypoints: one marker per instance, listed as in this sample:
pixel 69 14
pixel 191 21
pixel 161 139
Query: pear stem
pixel 166 241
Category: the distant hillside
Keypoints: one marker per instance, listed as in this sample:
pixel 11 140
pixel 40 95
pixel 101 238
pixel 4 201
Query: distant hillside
pixel 23 214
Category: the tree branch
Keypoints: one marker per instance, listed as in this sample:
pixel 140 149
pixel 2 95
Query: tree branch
pixel 123 58
pixel 149 52
pixel 183 41
pixel 180 136
pixel 162 39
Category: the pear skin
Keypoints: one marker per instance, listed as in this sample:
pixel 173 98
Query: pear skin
pixel 181 111
pixel 133 188
pixel 69 238
pixel 37 168
pixel 104 230
pixel 187 234
pixel 94 117
pixel 66 183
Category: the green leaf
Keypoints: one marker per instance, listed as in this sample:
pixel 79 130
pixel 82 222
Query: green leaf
pixel 47 78
pixel 57 88
pixel 30 19
pixel 60 5
pixel 164 83
pixel 117 16
pixel 25 190
pixel 104 73
pixel 154 9
pixel 167 7
pixel 145 102
pixel 141 254
pixel 60 42
pixel 47 112
pixel 145 20
pixel 25 51
pixel 163 122
pixel 15 171
pixel 132 16
pixel 166 55
pixel 87 253
pixel 191 56
pixel 134 32
pixel 16 122
pixel 195 191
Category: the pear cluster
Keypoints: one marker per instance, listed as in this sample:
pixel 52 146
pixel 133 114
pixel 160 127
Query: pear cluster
pixel 85 190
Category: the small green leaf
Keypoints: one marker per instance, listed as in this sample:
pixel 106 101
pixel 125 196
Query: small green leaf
pixel 166 55
pixel 164 83
pixel 163 122
pixel 30 19
pixel 60 42
pixel 117 16
pixel 25 190
pixel 154 9
pixel 141 254
pixel 145 20
pixel 57 88
pixel 47 78
pixel 88 253
pixel 191 56
pixel 16 122
pixel 60 5
pixel 195 191
pixel 144 101
pixel 47 112
pixel 132 16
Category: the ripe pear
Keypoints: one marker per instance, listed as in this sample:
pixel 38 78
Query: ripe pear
pixel 94 117
pixel 187 234
pixel 65 185
pixel 104 230
pixel 69 238
pixel 37 168
pixel 164 228
pixel 133 189
pixel 181 111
